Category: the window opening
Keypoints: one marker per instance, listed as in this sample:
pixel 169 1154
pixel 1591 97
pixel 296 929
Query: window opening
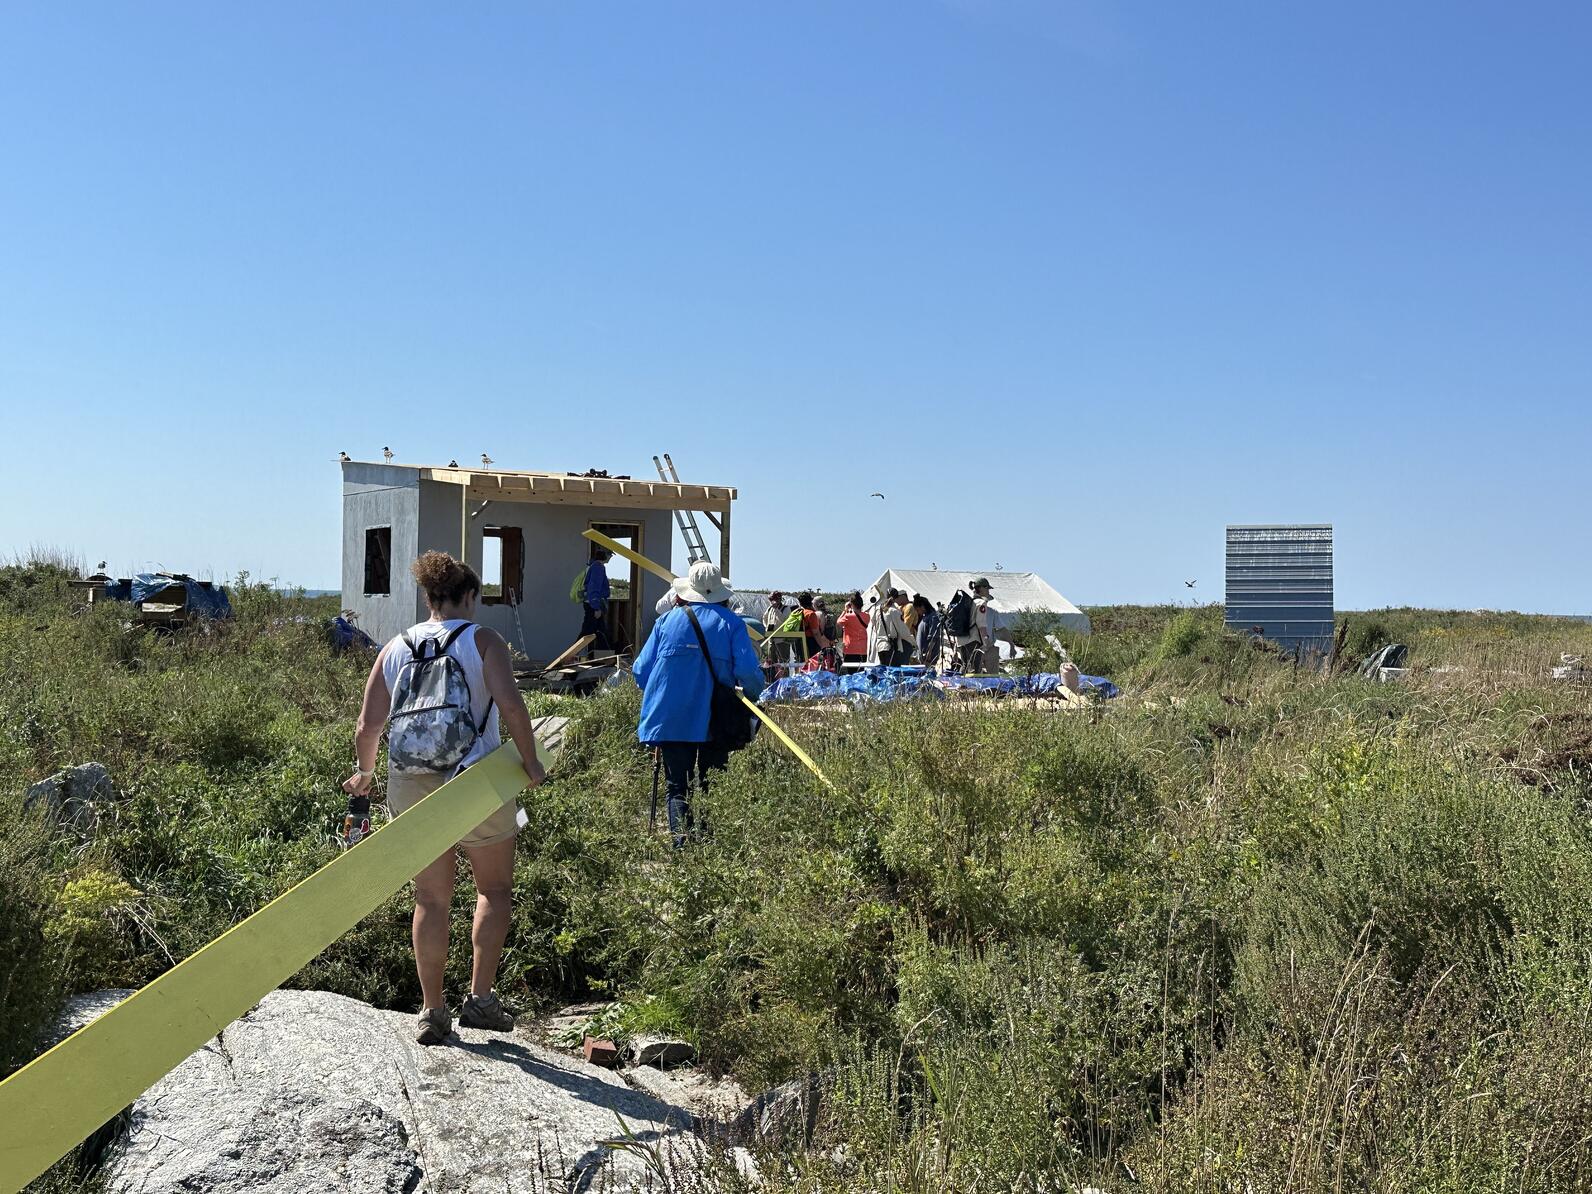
pixel 378 561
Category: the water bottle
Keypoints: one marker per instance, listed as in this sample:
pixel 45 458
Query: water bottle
pixel 356 822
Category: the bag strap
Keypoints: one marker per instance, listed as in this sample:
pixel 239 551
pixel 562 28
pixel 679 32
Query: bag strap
pixel 447 639
pixel 701 638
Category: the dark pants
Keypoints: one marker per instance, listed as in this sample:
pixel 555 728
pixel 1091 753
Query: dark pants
pixel 594 623
pixel 685 768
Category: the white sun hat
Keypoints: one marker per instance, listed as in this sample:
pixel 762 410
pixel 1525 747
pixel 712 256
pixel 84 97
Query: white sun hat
pixel 702 585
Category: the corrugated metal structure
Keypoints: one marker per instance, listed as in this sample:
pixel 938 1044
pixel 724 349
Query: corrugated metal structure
pixel 1279 584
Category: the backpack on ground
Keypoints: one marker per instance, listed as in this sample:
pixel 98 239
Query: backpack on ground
pixel 959 614
pixel 431 728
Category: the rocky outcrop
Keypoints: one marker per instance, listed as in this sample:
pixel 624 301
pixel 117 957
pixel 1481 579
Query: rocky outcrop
pixel 312 1091
pixel 74 799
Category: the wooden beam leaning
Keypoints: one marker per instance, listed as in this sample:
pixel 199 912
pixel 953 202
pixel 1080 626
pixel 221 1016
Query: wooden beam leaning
pixel 57 1100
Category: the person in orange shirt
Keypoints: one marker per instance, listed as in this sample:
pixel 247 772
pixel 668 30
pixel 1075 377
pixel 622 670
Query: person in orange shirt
pixel 812 625
pixel 854 631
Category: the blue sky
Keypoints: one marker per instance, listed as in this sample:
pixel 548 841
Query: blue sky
pixel 1074 284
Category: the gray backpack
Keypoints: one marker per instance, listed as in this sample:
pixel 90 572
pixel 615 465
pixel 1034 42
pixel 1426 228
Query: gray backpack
pixel 430 728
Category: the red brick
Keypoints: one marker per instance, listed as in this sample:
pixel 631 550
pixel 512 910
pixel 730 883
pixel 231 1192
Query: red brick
pixel 600 1052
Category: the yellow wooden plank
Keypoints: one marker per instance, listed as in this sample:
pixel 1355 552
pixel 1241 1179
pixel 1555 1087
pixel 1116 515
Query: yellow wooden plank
pixel 786 739
pixel 55 1101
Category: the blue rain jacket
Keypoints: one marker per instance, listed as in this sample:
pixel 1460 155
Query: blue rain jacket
pixel 596 592
pixel 675 685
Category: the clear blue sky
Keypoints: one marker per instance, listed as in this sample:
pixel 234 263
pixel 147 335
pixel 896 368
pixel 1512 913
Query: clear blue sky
pixel 1075 284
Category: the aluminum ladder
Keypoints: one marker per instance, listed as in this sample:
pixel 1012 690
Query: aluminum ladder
pixel 695 549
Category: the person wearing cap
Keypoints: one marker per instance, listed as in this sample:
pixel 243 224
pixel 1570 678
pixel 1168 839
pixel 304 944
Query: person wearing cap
pixel 677 686
pixel 776 611
pixel 975 651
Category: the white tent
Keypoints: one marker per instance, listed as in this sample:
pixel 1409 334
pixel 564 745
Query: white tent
pixel 1010 592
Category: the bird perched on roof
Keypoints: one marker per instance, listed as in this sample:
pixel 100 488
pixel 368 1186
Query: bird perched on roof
pixel 344 457
pixel 453 464
pixel 880 496
pixel 1189 583
pixel 933 567
pixel 386 454
pixel 486 461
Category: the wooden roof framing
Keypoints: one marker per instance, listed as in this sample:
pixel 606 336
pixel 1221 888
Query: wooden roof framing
pixel 567 489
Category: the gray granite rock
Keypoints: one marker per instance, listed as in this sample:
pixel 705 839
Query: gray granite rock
pixel 312 1091
pixel 661 1051
pixel 74 798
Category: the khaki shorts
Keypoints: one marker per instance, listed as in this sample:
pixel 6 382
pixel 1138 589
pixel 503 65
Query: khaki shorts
pixel 405 791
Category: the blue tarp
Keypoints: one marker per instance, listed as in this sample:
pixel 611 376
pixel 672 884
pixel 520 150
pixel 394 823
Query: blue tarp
pixel 344 634
pixel 887 684
pixel 1100 684
pixel 205 600
pixel 879 684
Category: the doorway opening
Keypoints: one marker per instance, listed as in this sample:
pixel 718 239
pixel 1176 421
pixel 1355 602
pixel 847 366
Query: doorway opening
pixel 624 582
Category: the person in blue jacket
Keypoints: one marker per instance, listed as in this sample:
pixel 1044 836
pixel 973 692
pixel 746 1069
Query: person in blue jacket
pixel 594 601
pixel 676 686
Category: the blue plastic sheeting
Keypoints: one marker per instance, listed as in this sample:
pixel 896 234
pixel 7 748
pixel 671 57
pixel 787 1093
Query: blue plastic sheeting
pixel 345 635
pixel 880 684
pixel 205 600
pixel 803 686
pixel 998 685
pixel 1099 684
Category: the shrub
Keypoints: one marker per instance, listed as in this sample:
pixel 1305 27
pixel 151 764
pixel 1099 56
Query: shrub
pixel 1181 636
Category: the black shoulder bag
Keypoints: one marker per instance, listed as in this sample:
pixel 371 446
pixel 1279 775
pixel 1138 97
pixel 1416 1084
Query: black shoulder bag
pixel 730 724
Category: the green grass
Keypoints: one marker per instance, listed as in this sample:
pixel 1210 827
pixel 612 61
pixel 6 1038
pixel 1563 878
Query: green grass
pixel 1247 927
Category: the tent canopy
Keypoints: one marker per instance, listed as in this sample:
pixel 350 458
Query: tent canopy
pixel 1010 592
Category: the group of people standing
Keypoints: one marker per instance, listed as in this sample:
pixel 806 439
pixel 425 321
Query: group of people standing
pixel 892 629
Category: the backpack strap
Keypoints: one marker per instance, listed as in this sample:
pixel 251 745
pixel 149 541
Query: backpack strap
pixel 447 639
pixel 701 638
pixel 442 649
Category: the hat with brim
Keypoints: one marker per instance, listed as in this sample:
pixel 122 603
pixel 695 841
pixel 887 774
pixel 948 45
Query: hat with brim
pixel 702 585
pixel 982 583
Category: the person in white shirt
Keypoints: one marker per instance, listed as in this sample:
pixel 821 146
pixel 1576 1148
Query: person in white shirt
pixel 890 641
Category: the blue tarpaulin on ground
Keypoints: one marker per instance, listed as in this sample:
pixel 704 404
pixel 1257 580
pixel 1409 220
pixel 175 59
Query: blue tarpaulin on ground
pixel 344 634
pixel 1099 684
pixel 880 684
pixel 204 600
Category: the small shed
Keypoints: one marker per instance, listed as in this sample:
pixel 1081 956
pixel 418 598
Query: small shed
pixel 1010 592
pixel 522 531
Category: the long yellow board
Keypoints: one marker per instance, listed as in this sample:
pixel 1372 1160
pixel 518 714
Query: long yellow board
pixel 55 1101
pixel 659 570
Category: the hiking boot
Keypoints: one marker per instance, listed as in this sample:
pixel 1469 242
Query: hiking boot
pixel 485 1011
pixel 433 1025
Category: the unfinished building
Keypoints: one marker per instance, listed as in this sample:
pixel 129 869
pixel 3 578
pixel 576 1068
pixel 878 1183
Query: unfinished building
pixel 522 531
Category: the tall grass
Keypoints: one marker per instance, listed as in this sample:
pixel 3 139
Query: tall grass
pixel 1246 928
